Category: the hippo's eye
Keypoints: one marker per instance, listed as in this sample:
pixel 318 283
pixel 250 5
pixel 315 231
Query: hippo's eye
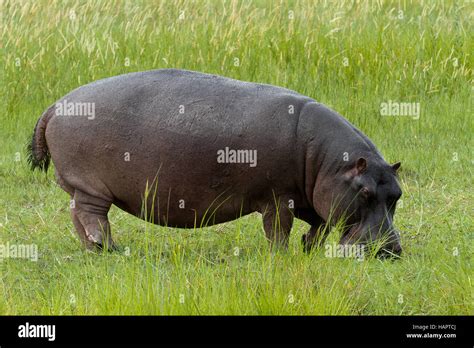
pixel 365 192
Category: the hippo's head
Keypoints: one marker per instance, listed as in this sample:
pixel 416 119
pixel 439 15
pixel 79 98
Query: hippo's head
pixel 364 193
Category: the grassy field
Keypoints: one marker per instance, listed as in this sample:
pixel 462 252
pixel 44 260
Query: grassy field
pixel 352 57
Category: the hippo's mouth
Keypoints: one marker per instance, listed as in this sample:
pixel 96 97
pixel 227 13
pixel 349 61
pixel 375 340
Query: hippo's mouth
pixel 353 236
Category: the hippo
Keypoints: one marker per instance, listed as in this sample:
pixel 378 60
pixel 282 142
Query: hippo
pixel 186 149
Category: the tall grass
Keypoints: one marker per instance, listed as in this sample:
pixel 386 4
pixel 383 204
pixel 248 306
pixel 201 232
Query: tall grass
pixel 350 56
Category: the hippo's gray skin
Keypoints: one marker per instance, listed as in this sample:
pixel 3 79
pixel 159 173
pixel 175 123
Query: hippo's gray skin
pixel 164 128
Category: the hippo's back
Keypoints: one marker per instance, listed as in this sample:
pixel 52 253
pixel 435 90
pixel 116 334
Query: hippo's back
pixel 170 86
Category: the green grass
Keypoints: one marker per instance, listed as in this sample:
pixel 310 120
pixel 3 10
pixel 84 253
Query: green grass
pixel 423 56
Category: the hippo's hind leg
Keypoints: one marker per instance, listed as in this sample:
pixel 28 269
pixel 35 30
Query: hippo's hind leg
pixel 81 232
pixel 277 223
pixel 89 215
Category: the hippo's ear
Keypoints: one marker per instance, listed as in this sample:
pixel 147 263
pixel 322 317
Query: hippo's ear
pixel 396 166
pixel 361 165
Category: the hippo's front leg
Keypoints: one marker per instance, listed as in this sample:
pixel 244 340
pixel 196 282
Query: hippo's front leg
pixel 318 232
pixel 277 223
pixel 315 237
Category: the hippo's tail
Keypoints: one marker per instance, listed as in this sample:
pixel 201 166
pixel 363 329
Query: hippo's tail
pixel 37 149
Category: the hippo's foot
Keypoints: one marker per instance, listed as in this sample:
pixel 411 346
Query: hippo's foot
pixel 100 244
pixel 89 215
pixel 315 238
